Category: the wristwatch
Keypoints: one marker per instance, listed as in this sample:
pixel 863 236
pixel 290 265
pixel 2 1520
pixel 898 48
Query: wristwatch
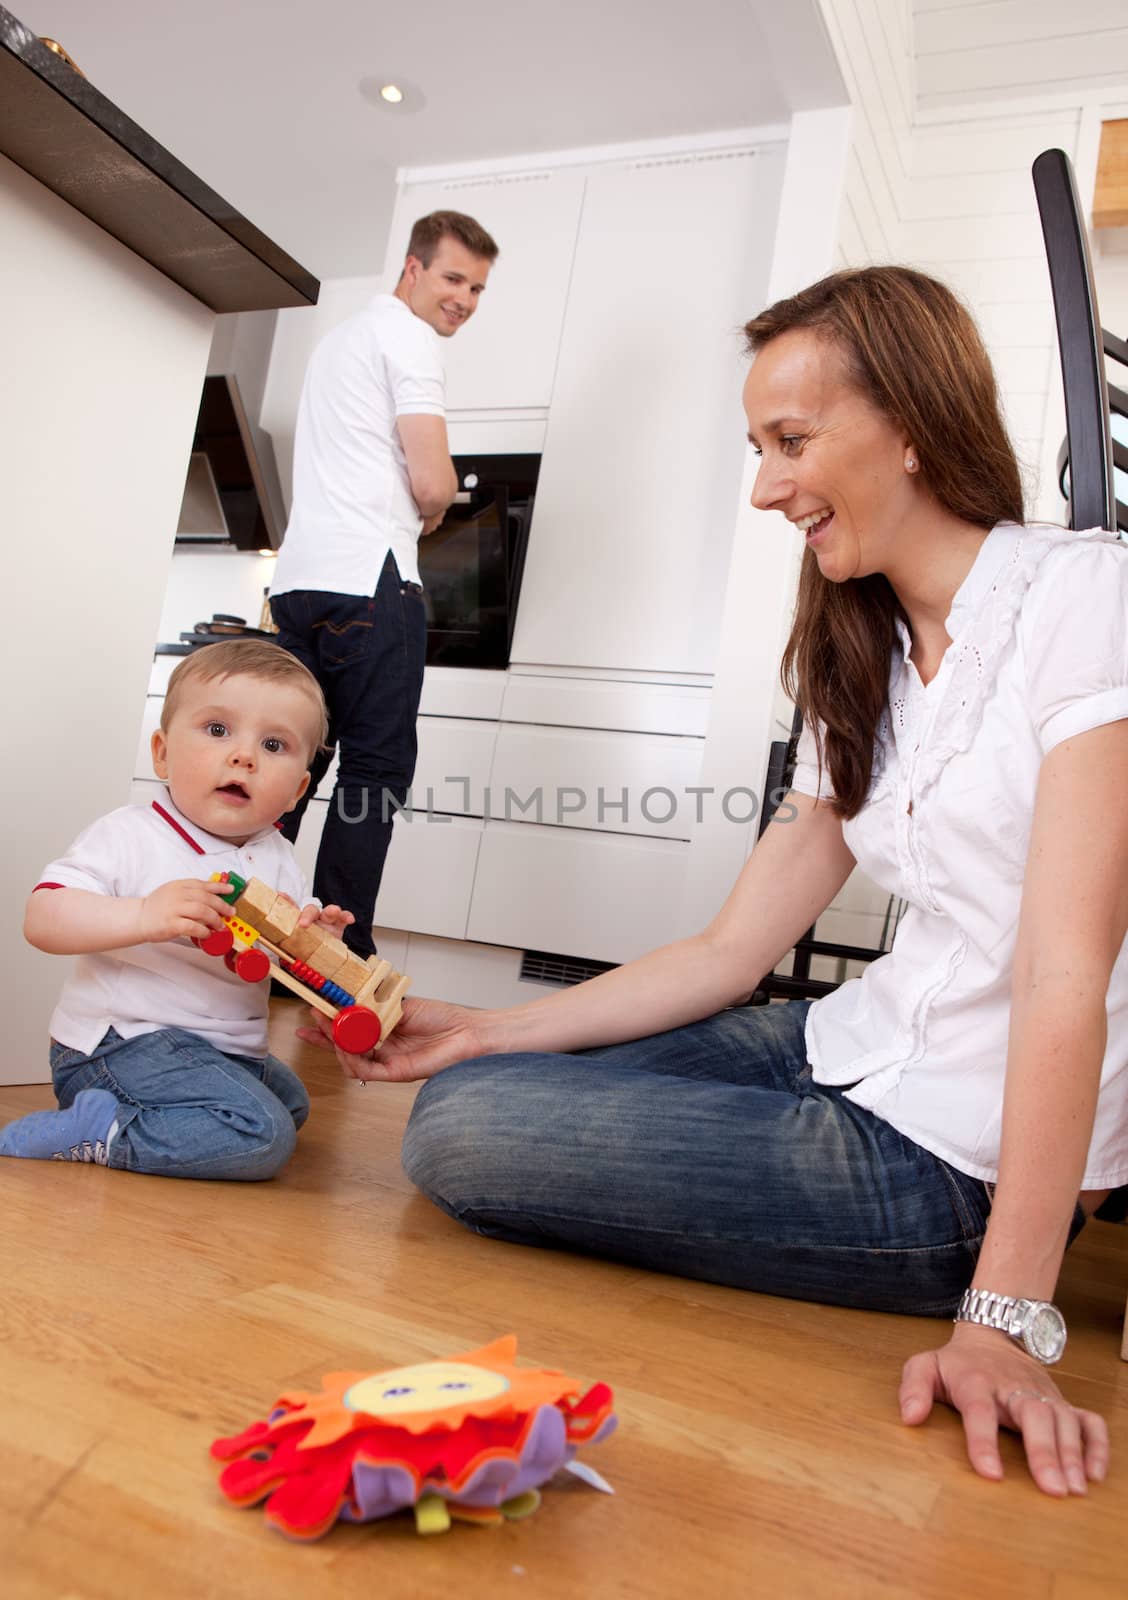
pixel 1038 1326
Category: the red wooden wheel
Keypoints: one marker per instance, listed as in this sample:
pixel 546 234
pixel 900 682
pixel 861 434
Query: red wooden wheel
pixel 217 943
pixel 356 1029
pixel 252 965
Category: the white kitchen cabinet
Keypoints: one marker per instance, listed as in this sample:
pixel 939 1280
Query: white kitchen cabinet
pixel 591 778
pixel 452 769
pixel 505 357
pixel 569 701
pixel 573 892
pixel 428 874
pixel 645 444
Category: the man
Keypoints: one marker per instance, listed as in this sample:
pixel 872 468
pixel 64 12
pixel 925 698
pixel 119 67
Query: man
pixel 372 473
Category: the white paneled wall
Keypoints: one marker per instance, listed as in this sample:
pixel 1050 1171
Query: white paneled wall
pixel 873 42
pixel 971 219
pixel 975 50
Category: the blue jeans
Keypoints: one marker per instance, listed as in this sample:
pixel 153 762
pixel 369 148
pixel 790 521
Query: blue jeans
pixel 367 653
pixel 707 1151
pixel 188 1110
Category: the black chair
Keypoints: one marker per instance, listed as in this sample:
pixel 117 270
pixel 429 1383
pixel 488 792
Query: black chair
pixel 1116 350
pixel 799 985
pixel 1082 345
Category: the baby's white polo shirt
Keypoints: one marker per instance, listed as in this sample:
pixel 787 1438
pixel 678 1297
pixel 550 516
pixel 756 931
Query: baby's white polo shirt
pixel 133 851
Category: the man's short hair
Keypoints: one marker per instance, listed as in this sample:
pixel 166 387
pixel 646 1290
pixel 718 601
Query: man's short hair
pixel 430 231
pixel 245 658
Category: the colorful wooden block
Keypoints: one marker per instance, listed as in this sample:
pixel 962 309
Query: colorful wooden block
pixel 255 903
pixel 282 922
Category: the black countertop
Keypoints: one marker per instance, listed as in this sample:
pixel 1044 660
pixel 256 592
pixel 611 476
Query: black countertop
pixel 58 127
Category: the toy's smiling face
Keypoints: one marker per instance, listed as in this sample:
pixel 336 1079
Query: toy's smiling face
pixel 433 1387
pixel 485 1384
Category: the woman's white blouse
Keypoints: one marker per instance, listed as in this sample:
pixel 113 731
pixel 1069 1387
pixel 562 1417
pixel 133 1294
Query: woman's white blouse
pixel 1039 653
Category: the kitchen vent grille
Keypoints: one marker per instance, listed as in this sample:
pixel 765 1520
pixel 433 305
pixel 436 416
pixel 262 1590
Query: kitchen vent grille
pixel 494 180
pixel 683 158
pixel 542 966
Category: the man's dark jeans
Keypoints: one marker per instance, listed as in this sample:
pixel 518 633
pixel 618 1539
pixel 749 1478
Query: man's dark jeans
pixel 367 654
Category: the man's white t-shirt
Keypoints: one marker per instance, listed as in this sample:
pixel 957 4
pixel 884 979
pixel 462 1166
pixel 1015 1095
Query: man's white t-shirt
pixel 352 499
pixel 133 851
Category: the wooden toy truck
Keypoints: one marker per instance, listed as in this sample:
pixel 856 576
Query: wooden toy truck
pixel 261 939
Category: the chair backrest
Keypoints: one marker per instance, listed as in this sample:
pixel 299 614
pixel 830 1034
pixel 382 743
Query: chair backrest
pixel 1081 344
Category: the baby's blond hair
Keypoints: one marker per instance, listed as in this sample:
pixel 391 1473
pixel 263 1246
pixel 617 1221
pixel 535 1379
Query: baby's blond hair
pixel 245 658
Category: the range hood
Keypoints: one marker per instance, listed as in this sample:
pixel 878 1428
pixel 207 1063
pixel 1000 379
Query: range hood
pixel 232 494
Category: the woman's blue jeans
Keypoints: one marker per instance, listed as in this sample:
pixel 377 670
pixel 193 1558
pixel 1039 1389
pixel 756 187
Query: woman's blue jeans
pixel 186 1109
pixel 709 1152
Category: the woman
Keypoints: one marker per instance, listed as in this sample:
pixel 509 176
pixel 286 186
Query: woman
pixel 946 1122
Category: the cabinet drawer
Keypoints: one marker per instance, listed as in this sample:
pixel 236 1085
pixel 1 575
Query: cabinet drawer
pixel 585 894
pixel 606 703
pixel 454 765
pixel 428 875
pixel 589 778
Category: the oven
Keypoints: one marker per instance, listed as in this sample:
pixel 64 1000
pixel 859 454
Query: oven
pixel 472 565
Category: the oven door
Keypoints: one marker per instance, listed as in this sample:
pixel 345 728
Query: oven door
pixel 464 566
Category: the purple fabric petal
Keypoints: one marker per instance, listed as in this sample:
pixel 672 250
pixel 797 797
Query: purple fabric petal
pixel 545 1451
pixel 378 1491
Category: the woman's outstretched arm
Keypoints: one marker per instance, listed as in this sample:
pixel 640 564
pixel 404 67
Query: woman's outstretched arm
pixel 1071 929
pixel 790 878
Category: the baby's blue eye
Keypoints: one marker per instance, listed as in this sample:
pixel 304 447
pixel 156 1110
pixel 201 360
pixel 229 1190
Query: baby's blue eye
pixel 392 1394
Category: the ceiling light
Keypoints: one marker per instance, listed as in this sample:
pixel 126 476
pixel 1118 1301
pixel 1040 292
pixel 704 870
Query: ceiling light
pixel 392 94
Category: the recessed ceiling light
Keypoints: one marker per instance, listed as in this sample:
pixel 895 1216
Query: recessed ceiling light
pixel 392 94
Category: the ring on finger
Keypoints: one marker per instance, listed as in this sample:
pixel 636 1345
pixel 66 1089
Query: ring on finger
pixel 1028 1394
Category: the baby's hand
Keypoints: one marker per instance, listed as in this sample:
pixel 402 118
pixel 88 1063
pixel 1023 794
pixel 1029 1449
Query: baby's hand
pixel 332 918
pixel 187 908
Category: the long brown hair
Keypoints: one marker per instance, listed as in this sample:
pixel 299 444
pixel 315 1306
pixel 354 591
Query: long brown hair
pixel 915 353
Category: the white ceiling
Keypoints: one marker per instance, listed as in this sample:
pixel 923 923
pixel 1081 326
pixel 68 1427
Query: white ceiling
pixel 261 99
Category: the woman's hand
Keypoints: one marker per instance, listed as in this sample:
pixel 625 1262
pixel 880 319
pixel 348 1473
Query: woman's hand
pixel 431 1035
pixel 332 918
pixel 993 1383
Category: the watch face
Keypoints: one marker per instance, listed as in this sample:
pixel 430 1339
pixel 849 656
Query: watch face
pixel 1044 1332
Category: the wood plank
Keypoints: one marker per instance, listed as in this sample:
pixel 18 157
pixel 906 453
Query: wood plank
pixel 63 131
pixel 1110 196
pixel 759 1449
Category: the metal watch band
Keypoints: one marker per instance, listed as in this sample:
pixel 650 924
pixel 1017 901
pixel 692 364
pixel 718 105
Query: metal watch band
pixel 990 1310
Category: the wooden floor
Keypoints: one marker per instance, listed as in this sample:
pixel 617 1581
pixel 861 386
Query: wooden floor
pixel 759 1450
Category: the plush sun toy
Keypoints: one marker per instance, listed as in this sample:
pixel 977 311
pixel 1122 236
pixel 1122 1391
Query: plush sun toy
pixel 472 1437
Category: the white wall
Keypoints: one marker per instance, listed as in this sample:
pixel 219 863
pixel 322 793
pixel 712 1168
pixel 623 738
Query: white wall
pixel 103 362
pixel 763 569
pixel 972 220
pixel 873 42
pixel 201 580
pixel 975 50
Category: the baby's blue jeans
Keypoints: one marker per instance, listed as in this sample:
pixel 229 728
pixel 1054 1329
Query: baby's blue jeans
pixel 188 1110
pixel 708 1151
